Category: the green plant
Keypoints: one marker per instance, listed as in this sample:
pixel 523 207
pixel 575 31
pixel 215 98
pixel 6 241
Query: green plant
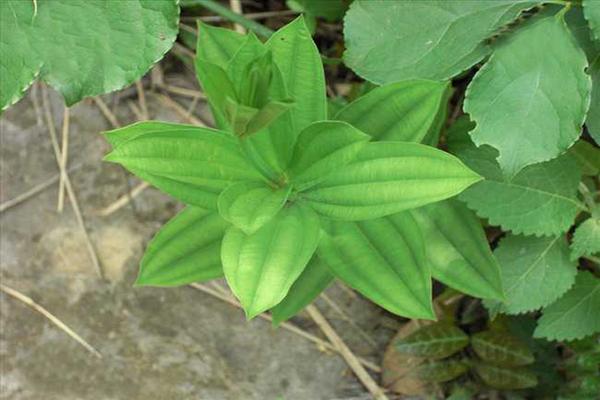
pixel 81 48
pixel 536 86
pixel 278 182
pixel 442 352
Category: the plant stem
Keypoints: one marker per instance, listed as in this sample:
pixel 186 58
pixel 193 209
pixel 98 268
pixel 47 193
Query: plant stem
pixel 225 12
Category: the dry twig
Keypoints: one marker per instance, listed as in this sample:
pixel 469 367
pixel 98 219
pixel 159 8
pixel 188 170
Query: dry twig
pixel 346 353
pixel 63 159
pixel 110 116
pixel 142 99
pixel 28 301
pixel 123 200
pixel 68 186
pixel 175 106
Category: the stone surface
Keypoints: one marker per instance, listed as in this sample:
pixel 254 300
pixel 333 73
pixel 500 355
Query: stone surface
pixel 156 343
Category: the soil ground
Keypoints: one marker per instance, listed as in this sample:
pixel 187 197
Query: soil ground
pixel 156 343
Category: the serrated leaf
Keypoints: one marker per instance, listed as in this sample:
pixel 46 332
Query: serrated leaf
pixel 383 259
pixel 312 281
pixel 593 117
pixel 429 39
pixel 556 88
pixel 250 205
pixel 575 314
pixel 82 48
pixel 457 249
pixel 586 239
pixel 540 200
pixel 401 111
pixel 587 156
pixel 299 60
pixel 322 148
pixel 260 268
pixel 505 378
pixel 186 249
pixel 501 348
pixel 389 177
pixel 535 272
pixel 435 341
pixel 191 164
pixel 441 370
pixel 591 10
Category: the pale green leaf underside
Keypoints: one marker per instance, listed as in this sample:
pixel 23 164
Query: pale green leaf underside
pixel 435 341
pixel 250 205
pixel 535 272
pixel 401 111
pixel 575 315
pixel 84 48
pixel 312 281
pixel 457 249
pixel 187 249
pixel 591 10
pixel 529 101
pixel 389 177
pixel 586 239
pixel 428 39
pixel 322 148
pixel 593 118
pixel 384 259
pixel 540 200
pixel 587 156
pixel 260 268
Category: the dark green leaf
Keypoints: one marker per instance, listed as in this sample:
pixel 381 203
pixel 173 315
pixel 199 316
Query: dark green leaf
pixel 505 378
pixel 384 259
pixel 439 340
pixel 187 249
pixel 586 239
pixel 591 10
pixel 587 156
pixel 501 348
pixel 441 370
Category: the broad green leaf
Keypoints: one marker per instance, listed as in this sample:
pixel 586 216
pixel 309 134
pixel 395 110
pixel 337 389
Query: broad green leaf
pixel 260 268
pixel 217 87
pixel 539 200
pixel 501 348
pixel 389 41
pixel 217 45
pixel 593 117
pixel 84 48
pixel 587 156
pixel 250 205
pixel 441 370
pixel 457 249
pixel 389 177
pixel 186 249
pixel 506 378
pixel 312 281
pixel 574 315
pixel 298 58
pixel 591 10
pixel 267 114
pixel 586 239
pixel 250 71
pixel 435 341
pixel 188 163
pixel 441 116
pixel 535 272
pixel 384 259
pixel 530 99
pixel 401 111
pixel 323 148
pixel 19 62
